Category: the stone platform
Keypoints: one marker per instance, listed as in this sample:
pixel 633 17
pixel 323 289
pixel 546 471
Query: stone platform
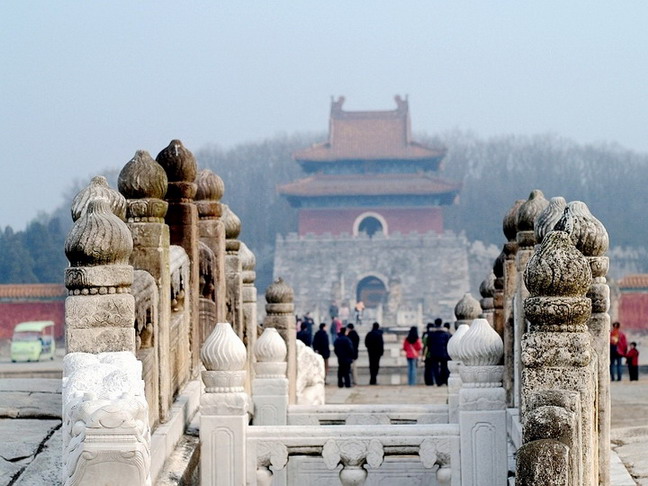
pixel 30 423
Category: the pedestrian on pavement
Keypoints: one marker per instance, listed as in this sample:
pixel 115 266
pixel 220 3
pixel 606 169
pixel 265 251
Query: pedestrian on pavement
pixel 359 310
pixel 321 347
pixel 618 348
pixel 375 348
pixel 412 346
pixel 336 325
pixel 355 340
pixel 333 310
pixel 435 345
pixel 303 334
pixel 632 358
pixel 343 348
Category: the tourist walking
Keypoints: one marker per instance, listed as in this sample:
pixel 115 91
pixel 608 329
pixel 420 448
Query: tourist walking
pixel 618 348
pixel 632 358
pixel 303 335
pixel 343 349
pixel 336 325
pixel 355 340
pixel 435 352
pixel 321 346
pixel 375 348
pixel 412 346
pixel 333 310
pixel 359 310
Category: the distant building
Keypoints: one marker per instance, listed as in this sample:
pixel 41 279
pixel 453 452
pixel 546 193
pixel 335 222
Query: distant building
pixel 371 222
pixel 633 302
pixel 31 302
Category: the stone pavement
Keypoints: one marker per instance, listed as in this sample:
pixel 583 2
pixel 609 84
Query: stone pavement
pixel 30 423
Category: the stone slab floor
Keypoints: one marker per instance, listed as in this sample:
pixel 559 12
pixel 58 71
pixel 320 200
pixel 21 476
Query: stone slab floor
pixel 30 425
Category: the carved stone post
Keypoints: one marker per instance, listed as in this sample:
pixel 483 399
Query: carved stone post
pixel 212 230
pixel 99 311
pixel 526 216
pixel 249 304
pixel 558 376
pixel 280 314
pixel 591 239
pixel 466 310
pixel 270 386
pixel 223 409
pixel 508 287
pixel 454 380
pixel 144 184
pixel 487 291
pixel 233 271
pixel 482 407
pixel 182 218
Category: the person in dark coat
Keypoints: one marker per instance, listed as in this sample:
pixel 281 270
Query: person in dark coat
pixel 303 335
pixel 343 348
pixel 355 340
pixel 375 348
pixel 436 354
pixel 321 346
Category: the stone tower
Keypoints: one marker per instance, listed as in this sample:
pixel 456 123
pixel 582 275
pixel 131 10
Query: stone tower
pixel 371 223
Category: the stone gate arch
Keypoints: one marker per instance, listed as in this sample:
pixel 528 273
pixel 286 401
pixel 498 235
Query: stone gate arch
pixel 369 222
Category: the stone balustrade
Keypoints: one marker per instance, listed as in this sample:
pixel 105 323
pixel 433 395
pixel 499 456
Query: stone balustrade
pixel 367 414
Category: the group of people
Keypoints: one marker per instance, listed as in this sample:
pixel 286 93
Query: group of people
pixel 618 350
pixel 434 350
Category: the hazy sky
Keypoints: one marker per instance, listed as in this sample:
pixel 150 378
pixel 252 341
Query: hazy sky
pixel 83 85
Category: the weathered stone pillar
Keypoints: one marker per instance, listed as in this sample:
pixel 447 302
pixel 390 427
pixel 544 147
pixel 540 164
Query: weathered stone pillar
pixel 211 230
pixel 100 310
pixel 249 304
pixel 270 386
pixel 182 218
pixel 466 310
pixel 144 184
pixel 223 409
pixel 233 271
pixel 591 239
pixel 508 287
pixel 559 375
pixel 487 291
pixel 280 314
pixel 526 216
pixel 482 407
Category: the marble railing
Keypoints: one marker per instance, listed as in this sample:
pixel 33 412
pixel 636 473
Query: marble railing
pixel 367 414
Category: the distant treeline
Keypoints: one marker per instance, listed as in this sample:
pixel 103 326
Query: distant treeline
pixel 495 172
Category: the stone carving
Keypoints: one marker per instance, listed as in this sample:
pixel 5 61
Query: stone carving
pixel 454 365
pixel 558 362
pixel 310 376
pixel 222 351
pixel 547 219
pixel 98 189
pixel 586 232
pixel 207 271
pixel 273 454
pixel 279 292
pixel 232 223
pixel 487 292
pixel 270 351
pixel 210 191
pixel 105 420
pixel 352 454
pixel 98 238
pixel 144 183
pixel 509 224
pixel 375 453
pixel 530 210
pixel 178 163
pixel 480 345
pixel 467 308
pixel 145 293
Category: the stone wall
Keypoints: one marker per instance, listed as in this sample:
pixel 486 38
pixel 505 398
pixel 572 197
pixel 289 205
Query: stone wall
pixel 432 269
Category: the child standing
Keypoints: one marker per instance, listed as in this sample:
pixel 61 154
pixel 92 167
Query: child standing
pixel 632 359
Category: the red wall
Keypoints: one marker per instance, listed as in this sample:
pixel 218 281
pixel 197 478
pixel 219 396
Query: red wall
pixel 633 310
pixel 403 220
pixel 12 313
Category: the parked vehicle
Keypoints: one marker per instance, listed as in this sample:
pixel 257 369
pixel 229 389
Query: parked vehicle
pixel 33 341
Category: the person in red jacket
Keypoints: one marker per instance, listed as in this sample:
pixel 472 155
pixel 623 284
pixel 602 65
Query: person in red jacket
pixel 632 358
pixel 412 346
pixel 618 348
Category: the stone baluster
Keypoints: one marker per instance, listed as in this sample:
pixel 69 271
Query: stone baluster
pixel 182 218
pixel 99 310
pixel 591 239
pixel 233 271
pixel 223 409
pixel 559 376
pixel 211 230
pixel 525 238
pixel 487 291
pixel 104 404
pixel 270 386
pixel 547 219
pixel 207 297
pixel 144 184
pixel 454 380
pixel 249 304
pixel 280 314
pixel 466 310
pixel 482 407
pixel 508 286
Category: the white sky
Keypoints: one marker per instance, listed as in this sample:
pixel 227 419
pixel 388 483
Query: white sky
pixel 85 84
